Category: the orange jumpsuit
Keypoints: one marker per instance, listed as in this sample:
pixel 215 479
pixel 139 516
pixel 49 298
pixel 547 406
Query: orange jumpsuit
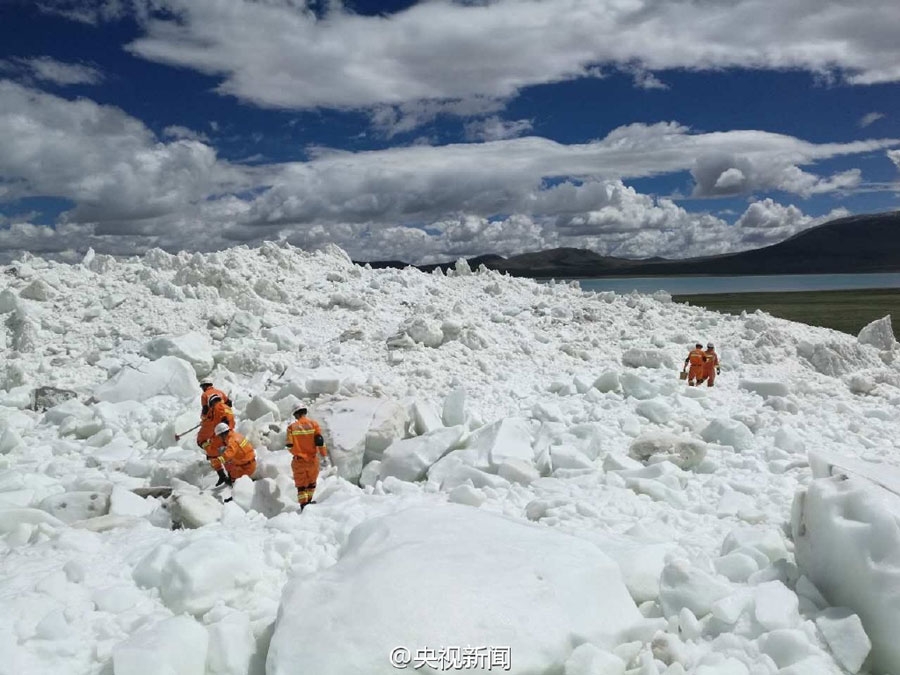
pixel 710 363
pixel 304 438
pixel 238 456
pixel 695 358
pixel 208 394
pixel 207 434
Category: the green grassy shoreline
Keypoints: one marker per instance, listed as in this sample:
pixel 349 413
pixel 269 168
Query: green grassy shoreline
pixel 846 311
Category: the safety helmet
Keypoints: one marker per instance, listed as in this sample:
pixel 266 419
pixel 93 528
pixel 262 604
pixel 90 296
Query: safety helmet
pixel 206 382
pixel 299 409
pixel 215 398
pixel 710 345
pixel 222 428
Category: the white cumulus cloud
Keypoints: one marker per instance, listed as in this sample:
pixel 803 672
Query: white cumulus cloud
pixel 870 118
pixel 48 69
pixel 496 129
pixel 722 174
pixel 102 159
pixel 894 156
pixel 132 190
pixel 282 54
pixel 179 132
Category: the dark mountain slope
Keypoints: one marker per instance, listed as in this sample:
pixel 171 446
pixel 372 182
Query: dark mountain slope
pixel 856 244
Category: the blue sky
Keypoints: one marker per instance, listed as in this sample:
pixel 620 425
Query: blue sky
pixel 426 131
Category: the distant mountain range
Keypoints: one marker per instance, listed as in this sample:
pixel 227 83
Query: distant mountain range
pixel 857 244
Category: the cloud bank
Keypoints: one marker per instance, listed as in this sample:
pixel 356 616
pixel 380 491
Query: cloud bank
pixel 282 54
pixel 131 190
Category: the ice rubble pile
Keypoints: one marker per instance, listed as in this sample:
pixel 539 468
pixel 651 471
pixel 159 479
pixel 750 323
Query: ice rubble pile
pixel 536 403
pixel 418 578
pixel 847 528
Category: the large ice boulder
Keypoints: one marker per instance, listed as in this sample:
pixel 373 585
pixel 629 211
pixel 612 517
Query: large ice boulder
pixel 423 330
pixel 681 451
pixel 38 290
pixel 458 468
pixel 389 422
pixel 640 560
pixel 243 324
pixel 879 334
pixel 508 438
pixel 124 502
pixel 71 408
pixel 193 509
pixel 725 431
pixel 70 507
pixel 358 430
pixel 683 585
pixel 409 459
pixel 44 398
pixel 543 593
pixel 637 387
pixel 168 375
pixel 200 574
pixel 22 520
pixel 655 410
pixel 846 531
pixel 194 348
pixel 322 380
pixel 9 440
pixel 175 646
pixel 608 381
pixel 647 358
pixel 424 416
pixel 283 337
pixel 835 358
pixel 259 407
pixel 329 380
pixel 765 388
pixel 231 644
pixel 846 637
pixel 454 410
pixel 9 301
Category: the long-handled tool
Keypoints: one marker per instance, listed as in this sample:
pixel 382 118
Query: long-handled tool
pixel 178 436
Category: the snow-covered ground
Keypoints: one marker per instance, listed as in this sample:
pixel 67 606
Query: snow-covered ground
pixel 521 473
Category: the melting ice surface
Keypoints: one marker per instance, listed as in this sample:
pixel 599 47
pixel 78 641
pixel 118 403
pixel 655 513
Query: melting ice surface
pixel 519 467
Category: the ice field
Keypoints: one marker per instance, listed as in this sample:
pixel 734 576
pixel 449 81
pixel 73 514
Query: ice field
pixel 520 471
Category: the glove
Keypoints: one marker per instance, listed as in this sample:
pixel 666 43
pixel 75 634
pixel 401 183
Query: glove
pixel 224 479
pixel 718 371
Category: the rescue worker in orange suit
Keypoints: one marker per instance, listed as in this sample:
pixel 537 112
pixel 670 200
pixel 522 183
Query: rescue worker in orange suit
pixel 710 366
pixel 304 438
pixel 695 360
pixel 208 391
pixel 216 413
pixel 236 455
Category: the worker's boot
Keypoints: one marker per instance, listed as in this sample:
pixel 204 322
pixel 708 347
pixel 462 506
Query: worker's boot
pixel 223 477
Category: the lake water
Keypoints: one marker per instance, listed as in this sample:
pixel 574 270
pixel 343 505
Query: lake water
pixel 745 284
